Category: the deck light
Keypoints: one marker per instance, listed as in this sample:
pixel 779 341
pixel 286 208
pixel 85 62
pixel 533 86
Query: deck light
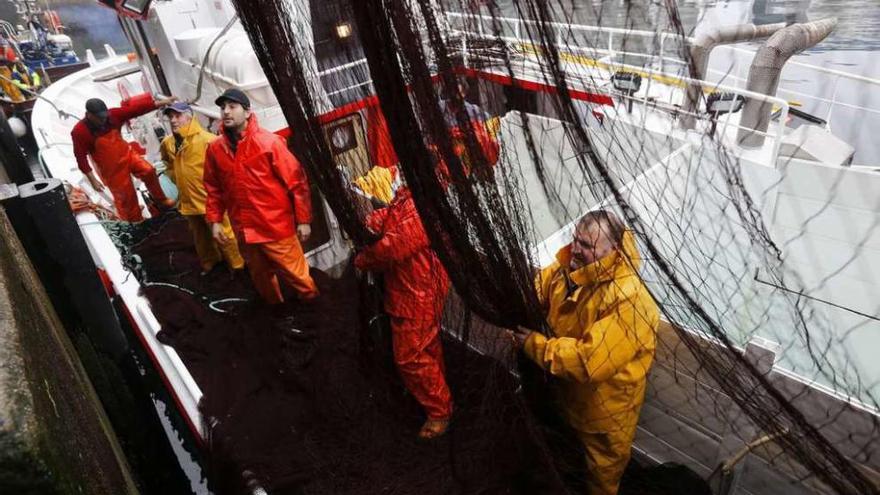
pixel 628 83
pixel 343 30
pixel 721 103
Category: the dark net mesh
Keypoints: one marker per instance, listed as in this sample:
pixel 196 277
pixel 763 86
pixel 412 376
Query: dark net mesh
pixel 508 121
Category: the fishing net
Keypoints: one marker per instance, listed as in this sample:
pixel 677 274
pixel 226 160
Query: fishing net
pixel 508 121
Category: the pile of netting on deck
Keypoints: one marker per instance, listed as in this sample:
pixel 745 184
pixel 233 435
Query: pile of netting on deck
pixel 567 146
pixel 322 411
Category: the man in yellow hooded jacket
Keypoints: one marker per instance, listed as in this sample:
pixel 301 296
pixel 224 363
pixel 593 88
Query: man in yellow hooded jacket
pixel 602 323
pixel 184 155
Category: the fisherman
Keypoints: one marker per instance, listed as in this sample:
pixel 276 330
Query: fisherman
pixel 474 112
pixel 250 173
pixel 7 50
pixel 25 78
pixel 184 155
pixel 602 322
pixel 98 135
pixel 482 127
pixel 415 292
pixel 8 60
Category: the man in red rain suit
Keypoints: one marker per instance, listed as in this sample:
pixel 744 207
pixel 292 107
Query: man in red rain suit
pixel 98 135
pixel 415 291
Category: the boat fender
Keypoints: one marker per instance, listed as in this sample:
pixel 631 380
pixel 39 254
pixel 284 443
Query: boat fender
pixel 46 203
pixel 18 126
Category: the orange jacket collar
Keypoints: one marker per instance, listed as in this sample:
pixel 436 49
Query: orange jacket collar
pixel 253 126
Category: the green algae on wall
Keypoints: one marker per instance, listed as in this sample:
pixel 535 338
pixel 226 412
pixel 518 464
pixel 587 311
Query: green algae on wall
pixel 56 437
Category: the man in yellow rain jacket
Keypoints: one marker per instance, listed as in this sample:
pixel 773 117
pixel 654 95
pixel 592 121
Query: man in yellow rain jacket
pixel 184 155
pixel 603 325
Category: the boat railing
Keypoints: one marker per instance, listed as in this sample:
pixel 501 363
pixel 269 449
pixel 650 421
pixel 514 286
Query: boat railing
pixel 814 72
pixel 723 129
pixel 355 84
pixel 8 30
pixel 654 70
pixel 609 41
pixel 613 46
pixel 360 86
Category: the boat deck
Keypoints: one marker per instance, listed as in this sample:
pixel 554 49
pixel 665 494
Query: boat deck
pixel 326 413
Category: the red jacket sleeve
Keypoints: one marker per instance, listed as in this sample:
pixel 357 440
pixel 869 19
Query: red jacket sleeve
pixel 291 173
pixel 214 206
pixel 82 137
pixel 82 145
pixel 133 107
pixel 400 240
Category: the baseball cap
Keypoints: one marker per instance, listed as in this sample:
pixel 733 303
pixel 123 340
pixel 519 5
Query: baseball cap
pixel 177 106
pixel 96 106
pixel 235 95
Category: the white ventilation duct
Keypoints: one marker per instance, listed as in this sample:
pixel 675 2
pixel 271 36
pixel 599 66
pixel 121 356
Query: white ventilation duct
pixel 767 68
pixel 701 49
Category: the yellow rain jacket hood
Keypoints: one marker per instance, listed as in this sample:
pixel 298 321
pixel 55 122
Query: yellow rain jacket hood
pixel 603 323
pixel 185 166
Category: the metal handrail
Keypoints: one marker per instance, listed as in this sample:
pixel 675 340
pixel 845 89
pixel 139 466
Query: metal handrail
pixel 776 136
pixel 817 68
pixel 518 24
pixel 838 75
pixel 568 28
pixel 340 68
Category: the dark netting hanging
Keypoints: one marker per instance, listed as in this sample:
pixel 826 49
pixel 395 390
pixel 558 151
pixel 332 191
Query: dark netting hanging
pixel 508 121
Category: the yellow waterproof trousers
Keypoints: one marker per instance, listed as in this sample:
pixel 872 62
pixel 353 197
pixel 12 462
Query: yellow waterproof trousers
pixel 607 455
pixel 208 251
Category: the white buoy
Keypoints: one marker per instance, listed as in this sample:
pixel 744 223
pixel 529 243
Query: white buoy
pixel 19 128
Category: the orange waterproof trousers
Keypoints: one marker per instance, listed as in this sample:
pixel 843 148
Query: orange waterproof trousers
pixel 285 258
pixel 207 249
pixel 419 359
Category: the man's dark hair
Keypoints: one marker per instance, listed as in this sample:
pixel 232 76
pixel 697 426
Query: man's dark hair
pixel 611 224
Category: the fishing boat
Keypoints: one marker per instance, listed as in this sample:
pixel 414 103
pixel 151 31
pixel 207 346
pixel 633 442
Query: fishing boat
pixel 42 53
pixel 635 93
pixel 41 41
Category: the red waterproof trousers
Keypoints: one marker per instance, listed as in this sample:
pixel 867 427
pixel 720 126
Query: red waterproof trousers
pixel 415 292
pixel 116 162
pixel 419 359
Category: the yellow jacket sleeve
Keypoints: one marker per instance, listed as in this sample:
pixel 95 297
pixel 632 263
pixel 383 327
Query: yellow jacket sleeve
pixel 604 348
pixel 168 158
pixel 543 283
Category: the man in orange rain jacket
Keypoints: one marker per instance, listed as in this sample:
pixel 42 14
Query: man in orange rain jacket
pixel 98 135
pixel 415 292
pixel 250 173
pixel 603 324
